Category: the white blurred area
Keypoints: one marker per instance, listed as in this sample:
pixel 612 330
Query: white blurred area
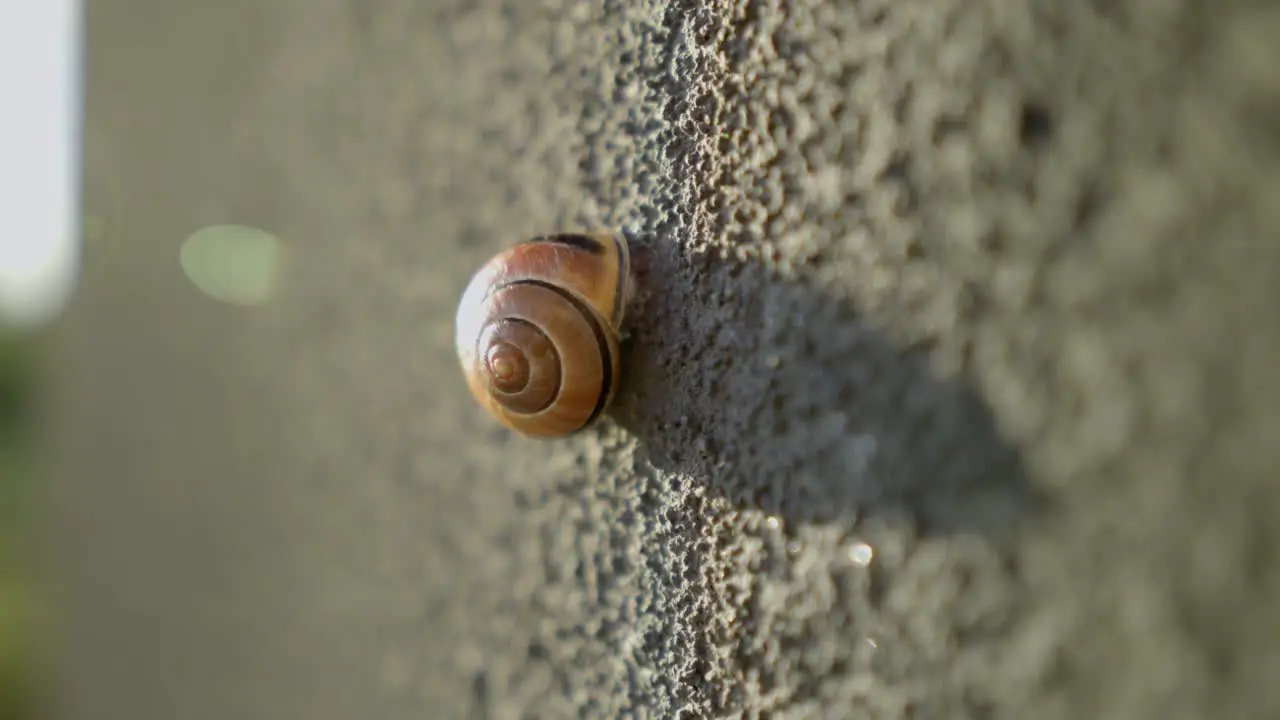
pixel 40 111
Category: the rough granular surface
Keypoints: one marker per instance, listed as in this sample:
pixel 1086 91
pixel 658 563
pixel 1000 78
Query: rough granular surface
pixel 952 391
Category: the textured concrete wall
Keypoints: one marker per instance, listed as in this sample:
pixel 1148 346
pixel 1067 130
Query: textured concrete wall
pixel 984 291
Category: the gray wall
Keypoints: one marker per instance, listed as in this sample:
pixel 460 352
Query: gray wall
pixel 989 287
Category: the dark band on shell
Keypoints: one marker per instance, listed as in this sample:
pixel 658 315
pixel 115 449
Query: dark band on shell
pixel 573 240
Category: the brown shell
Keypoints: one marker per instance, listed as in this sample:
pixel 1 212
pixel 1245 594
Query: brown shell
pixel 537 331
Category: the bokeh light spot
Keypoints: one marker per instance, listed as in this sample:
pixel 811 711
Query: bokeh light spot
pixel 232 263
pixel 861 554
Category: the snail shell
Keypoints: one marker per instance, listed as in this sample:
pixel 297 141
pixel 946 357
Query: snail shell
pixel 537 331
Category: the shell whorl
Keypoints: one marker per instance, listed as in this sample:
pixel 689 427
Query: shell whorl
pixel 521 365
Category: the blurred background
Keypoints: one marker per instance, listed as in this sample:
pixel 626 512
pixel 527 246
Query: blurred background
pixel 22 598
pixel 40 80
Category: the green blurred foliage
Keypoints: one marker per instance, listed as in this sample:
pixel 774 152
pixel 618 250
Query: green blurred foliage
pixel 19 597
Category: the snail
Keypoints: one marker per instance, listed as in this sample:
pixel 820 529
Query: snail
pixel 538 331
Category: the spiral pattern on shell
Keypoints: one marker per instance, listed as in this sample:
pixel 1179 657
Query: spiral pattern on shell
pixel 537 331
